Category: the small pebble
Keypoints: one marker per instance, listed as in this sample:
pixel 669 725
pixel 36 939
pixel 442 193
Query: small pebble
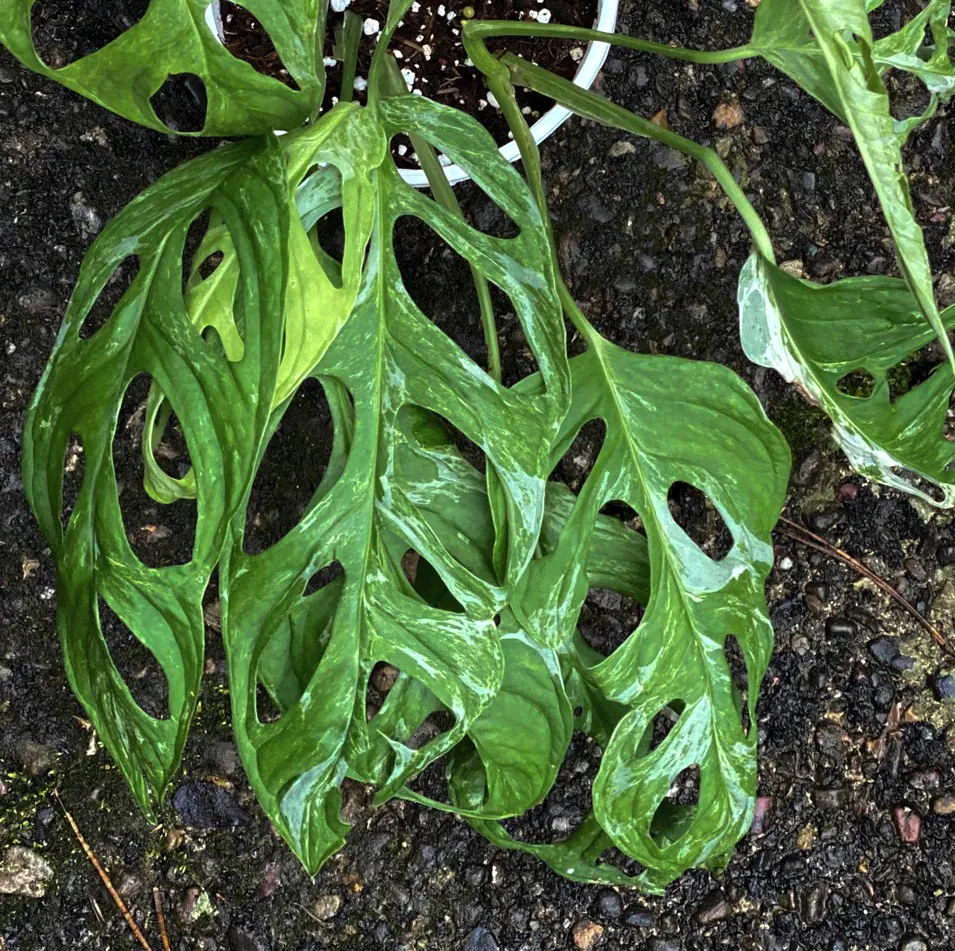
pixel 944 806
pixel 908 824
pixel 762 815
pixel 943 685
pixel 714 907
pixel 841 627
pixel 587 935
pixel 609 904
pixel 480 939
pixel 24 872
pixel 728 115
pixel 848 491
pixel 325 907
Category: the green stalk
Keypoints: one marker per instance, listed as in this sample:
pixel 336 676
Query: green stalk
pixel 503 73
pixel 350 38
pixel 591 106
pixel 479 29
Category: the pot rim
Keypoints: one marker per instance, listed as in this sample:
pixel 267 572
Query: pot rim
pixel 591 64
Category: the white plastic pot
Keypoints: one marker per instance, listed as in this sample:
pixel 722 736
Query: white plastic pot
pixel 547 125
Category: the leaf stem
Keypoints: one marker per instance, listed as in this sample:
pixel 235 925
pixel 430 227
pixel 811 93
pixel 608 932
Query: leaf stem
pixel 591 106
pixel 350 39
pixel 478 29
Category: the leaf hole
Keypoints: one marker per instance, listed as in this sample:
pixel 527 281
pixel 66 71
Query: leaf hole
pixel 517 359
pixel 110 297
pixel 429 267
pixel 136 664
pixel 381 680
pixel 489 218
pixel 330 235
pixel 160 535
pixel 180 103
pixel 209 265
pixel 859 384
pixel 914 370
pixel 469 450
pixel 409 565
pixel 74 464
pixel 248 40
pixel 297 646
pixel 291 470
pixel 65 31
pixel 623 512
pixel 700 519
pixel 664 723
pixel 433 725
pixel 195 236
pixel 429 584
pixel 169 446
pixel 322 578
pixel 677 809
pixel 607 619
pixel 266 708
pixel 578 459
pixel 921 484
pixel 736 661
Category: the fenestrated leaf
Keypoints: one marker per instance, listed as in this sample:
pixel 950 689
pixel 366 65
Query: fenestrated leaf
pixel 782 35
pixel 320 292
pixel 906 50
pixel 669 421
pixel 815 335
pixel 389 356
pixel 174 38
pixel 222 416
pixel 845 78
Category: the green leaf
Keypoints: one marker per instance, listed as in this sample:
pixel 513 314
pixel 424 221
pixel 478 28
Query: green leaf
pixel 173 38
pixel 905 50
pixel 576 858
pixel 388 357
pixel 816 335
pixel 222 417
pixel 782 34
pixel 320 292
pixel 845 77
pixel 670 420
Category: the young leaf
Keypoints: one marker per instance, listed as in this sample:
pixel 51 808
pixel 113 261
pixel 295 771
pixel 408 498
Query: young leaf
pixel 222 413
pixel 389 356
pixel 174 38
pixel 816 335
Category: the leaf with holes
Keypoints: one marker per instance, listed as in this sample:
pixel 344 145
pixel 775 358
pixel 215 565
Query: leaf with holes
pixel 331 165
pixel 222 413
pixel 176 38
pixel 389 357
pixel 782 35
pixel 671 421
pixel 845 78
pixel 493 773
pixel 817 335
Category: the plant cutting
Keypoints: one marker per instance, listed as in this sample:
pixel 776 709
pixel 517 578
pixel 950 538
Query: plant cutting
pixel 469 584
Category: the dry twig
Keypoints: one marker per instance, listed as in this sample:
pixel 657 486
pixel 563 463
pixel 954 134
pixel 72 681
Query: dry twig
pixel 810 539
pixel 161 918
pixel 120 904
